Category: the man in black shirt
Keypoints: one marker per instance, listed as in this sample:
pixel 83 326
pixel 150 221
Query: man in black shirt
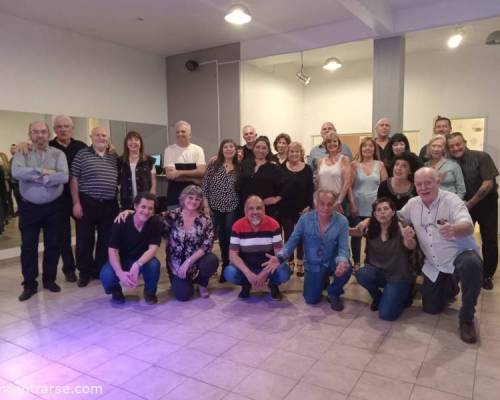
pixel 481 198
pixel 132 251
pixel 382 134
pixel 63 128
pixel 250 136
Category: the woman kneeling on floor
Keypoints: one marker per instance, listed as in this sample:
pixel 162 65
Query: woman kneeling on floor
pixel 387 263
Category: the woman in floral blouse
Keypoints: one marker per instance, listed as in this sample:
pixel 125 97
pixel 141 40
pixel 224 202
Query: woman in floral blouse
pixel 190 237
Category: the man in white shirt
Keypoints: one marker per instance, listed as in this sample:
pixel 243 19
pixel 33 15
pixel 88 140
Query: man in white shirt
pixel 444 230
pixel 184 163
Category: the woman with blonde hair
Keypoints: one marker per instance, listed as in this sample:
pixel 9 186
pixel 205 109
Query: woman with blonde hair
pixel 296 197
pixel 450 174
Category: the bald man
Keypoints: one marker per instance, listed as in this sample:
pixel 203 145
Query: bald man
pixel 318 152
pixel 444 230
pixel 382 134
pixel 94 179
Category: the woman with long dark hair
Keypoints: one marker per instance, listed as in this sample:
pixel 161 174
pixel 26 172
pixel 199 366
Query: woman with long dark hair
pixel 399 144
pixel 220 197
pixel 387 263
pixel 137 171
pixel 261 177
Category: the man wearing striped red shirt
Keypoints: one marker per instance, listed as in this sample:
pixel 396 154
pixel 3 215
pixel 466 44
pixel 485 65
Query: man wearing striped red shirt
pixel 252 237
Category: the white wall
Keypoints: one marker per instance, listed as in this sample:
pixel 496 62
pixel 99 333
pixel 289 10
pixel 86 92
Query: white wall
pixel 271 102
pixel 14 128
pixel 50 71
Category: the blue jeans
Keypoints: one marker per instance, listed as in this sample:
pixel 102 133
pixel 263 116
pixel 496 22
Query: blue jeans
pixel 317 281
pixel 235 276
pixel 149 271
pixel 391 302
pixel 223 223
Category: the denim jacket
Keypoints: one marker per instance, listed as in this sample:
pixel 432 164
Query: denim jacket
pixel 320 252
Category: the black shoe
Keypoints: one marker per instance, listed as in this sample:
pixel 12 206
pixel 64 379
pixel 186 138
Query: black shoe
pixel 117 296
pixel 275 292
pixel 374 305
pixel 488 284
pixel 70 276
pixel 52 286
pixel 222 279
pixel 149 298
pixel 468 331
pixel 27 293
pixel 336 303
pixel 245 292
pixel 83 280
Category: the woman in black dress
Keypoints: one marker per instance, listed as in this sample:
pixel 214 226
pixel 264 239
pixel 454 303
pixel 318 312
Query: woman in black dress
pixel 261 177
pixel 297 197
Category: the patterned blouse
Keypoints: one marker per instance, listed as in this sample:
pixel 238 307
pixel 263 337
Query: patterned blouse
pixel 219 187
pixel 180 245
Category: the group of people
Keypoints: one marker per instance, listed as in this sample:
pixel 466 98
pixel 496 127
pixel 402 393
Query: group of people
pixel 246 196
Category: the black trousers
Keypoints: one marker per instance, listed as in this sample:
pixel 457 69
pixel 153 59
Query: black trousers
pixel 65 235
pixel 98 215
pixel 184 288
pixel 32 219
pixel 485 213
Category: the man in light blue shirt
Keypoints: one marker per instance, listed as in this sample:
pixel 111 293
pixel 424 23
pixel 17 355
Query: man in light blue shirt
pixel 41 173
pixel 318 152
pixel 325 235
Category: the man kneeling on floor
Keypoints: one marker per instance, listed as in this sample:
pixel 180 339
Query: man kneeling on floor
pixel 325 236
pixel 252 237
pixel 132 251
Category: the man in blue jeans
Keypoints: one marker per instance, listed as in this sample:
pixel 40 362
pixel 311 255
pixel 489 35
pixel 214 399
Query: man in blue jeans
pixel 326 250
pixel 254 237
pixel 132 251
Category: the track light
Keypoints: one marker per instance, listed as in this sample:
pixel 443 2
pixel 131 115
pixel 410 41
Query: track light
pixel 238 15
pixel 301 75
pixel 455 39
pixel 332 63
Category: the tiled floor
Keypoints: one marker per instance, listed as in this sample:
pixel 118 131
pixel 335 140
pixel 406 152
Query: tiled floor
pixel 224 348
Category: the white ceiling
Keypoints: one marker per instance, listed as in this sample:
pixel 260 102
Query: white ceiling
pixel 176 26
pixel 475 34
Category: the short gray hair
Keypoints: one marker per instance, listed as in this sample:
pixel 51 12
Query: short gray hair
pixel 64 118
pixel 191 190
pixel 185 123
pixel 319 191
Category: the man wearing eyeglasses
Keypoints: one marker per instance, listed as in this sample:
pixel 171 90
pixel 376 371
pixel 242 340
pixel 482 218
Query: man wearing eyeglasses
pixel 444 230
pixel 325 235
pixel 41 173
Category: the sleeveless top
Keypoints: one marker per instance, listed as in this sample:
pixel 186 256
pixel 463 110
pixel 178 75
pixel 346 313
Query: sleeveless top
pixel 330 176
pixel 365 189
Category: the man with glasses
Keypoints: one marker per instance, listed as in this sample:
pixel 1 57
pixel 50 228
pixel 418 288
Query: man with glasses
pixel 444 230
pixel 41 173
pixel 325 235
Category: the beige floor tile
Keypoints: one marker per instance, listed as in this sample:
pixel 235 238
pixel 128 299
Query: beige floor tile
pixel 488 366
pixel 390 366
pixel 152 350
pixel 425 393
pixel 348 356
pixel 181 334
pixel 332 376
pixel 52 374
pixel 375 387
pixel 89 358
pixel 306 345
pixel 405 348
pixel 486 388
pixel 22 365
pixel 463 360
pixel 223 373
pixel 119 370
pixel 446 380
pixel 9 350
pixel 213 343
pixel 120 394
pixel 287 364
pixel 361 338
pixel 419 332
pixel 195 390
pixel 263 385
pixel 322 331
pixel 312 392
pixel 185 361
pixel 153 383
pixel 248 353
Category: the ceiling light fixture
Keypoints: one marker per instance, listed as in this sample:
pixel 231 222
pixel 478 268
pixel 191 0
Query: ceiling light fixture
pixel 332 64
pixel 238 15
pixel 493 38
pixel 301 75
pixel 455 39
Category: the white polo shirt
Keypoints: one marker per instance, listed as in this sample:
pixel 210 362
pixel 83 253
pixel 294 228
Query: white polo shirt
pixel 175 154
pixel 440 253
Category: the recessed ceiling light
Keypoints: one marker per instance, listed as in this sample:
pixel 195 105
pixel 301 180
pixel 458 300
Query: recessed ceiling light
pixel 238 15
pixel 332 63
pixel 456 39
